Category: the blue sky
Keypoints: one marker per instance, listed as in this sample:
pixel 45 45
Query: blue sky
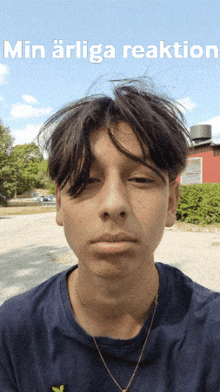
pixel 31 89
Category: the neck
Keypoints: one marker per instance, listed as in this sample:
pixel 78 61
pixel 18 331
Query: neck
pixel 112 307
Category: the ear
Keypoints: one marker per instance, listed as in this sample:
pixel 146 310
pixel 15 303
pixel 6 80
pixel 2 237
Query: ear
pixel 59 216
pixel 174 196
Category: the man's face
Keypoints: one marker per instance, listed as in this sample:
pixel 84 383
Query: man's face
pixel 117 222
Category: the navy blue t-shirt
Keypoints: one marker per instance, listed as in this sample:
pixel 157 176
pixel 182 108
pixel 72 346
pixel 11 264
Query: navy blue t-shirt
pixel 43 349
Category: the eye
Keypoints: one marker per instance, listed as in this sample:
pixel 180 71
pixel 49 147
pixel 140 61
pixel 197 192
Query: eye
pixel 92 180
pixel 91 187
pixel 141 180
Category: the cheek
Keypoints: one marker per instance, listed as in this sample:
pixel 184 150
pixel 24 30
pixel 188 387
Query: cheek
pixel 74 227
pixel 151 210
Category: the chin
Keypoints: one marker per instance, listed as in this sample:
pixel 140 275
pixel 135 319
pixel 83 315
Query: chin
pixel 112 267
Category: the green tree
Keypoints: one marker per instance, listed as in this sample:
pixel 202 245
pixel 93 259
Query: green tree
pixel 7 168
pixel 22 167
pixel 27 158
pixel 43 175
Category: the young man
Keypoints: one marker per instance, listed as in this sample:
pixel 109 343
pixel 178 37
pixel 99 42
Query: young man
pixel 117 321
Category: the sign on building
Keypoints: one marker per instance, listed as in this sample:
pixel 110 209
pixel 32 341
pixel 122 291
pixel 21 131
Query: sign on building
pixel 193 172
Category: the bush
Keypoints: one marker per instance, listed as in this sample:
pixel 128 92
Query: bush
pixel 199 204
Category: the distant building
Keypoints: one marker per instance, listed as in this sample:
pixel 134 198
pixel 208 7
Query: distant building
pixel 204 158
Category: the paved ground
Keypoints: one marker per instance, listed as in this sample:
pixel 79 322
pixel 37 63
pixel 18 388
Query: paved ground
pixel 29 248
pixel 33 247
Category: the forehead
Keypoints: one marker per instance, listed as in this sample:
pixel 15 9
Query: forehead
pixel 104 151
pixel 123 133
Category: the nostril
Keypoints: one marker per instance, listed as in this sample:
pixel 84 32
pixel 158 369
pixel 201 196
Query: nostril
pixel 122 214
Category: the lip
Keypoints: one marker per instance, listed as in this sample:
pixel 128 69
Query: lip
pixel 116 237
pixel 117 243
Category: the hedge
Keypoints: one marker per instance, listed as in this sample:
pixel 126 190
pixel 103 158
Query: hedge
pixel 199 204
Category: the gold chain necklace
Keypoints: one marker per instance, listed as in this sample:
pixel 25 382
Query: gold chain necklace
pixel 140 356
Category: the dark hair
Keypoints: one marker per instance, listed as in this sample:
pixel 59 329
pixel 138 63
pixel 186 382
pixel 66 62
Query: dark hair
pixel 156 121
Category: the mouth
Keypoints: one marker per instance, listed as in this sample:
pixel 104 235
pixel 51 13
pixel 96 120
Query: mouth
pixel 117 237
pixel 114 243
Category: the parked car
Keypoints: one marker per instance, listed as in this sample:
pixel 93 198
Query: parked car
pixel 3 199
pixel 51 198
pixel 38 198
pixel 45 198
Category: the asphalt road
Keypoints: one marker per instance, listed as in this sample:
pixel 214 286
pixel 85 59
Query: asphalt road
pixel 33 248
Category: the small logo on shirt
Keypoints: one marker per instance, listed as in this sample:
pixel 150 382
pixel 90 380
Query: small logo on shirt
pixel 58 388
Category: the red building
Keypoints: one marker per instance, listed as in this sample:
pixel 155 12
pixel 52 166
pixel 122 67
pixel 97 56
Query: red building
pixel 204 158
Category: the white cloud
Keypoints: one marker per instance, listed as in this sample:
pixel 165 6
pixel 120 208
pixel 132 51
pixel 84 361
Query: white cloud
pixel 215 123
pixel 1 98
pixel 185 104
pixel 27 134
pixel 3 73
pixel 29 99
pixel 20 110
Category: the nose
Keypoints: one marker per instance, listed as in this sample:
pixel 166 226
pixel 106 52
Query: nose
pixel 114 203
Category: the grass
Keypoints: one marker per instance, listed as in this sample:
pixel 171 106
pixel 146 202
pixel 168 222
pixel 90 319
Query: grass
pixel 184 226
pixel 26 210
